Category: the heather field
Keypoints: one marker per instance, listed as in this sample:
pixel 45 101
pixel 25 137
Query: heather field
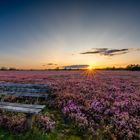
pixel 82 105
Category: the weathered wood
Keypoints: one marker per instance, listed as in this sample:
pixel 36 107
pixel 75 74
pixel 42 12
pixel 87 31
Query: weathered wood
pixel 37 95
pixel 23 85
pixel 23 90
pixel 20 109
pixel 7 93
pixel 29 109
pixel 40 95
pixel 30 118
pixel 23 105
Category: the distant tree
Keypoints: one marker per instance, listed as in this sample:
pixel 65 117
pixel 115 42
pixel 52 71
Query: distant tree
pixel 110 68
pixel 12 69
pixel 57 68
pixel 4 68
pixel 133 67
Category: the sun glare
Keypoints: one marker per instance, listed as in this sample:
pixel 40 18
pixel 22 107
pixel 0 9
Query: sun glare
pixel 90 68
pixel 90 72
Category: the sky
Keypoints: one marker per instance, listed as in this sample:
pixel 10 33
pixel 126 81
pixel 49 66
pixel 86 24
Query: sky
pixel 40 34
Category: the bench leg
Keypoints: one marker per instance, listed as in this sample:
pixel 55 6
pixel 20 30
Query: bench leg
pixel 30 118
pixel 2 98
pixel 37 101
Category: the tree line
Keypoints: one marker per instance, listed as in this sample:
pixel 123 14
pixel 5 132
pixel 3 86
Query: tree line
pixel 131 67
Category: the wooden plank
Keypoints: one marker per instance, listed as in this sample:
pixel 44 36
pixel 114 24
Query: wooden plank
pixel 23 85
pixel 6 93
pixel 31 90
pixel 23 90
pixel 20 109
pixel 22 105
pixel 37 95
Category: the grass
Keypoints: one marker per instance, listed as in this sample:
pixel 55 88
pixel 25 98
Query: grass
pixel 63 130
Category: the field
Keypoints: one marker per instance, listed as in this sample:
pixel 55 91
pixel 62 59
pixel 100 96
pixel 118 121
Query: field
pixel 81 105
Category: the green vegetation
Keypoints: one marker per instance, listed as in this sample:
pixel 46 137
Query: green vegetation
pixel 64 130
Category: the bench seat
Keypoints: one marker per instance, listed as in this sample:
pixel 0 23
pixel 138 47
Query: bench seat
pixel 29 109
pixel 23 108
pixel 23 90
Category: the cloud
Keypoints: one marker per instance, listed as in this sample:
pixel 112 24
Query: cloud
pixel 135 49
pixel 107 52
pixel 49 64
pixel 76 66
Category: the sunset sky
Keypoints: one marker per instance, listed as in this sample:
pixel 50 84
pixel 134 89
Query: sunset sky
pixel 41 34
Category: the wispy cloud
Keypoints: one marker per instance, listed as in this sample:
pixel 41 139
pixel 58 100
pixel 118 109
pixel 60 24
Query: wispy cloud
pixel 49 64
pixel 106 51
pixel 110 52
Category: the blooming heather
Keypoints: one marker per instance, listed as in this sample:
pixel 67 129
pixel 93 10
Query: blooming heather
pixel 106 100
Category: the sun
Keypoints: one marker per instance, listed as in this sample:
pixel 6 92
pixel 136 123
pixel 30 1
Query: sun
pixel 90 68
pixel 90 72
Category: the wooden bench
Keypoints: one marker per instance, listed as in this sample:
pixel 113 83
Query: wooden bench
pixel 20 91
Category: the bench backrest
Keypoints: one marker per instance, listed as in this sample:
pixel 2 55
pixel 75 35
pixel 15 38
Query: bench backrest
pixel 24 90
